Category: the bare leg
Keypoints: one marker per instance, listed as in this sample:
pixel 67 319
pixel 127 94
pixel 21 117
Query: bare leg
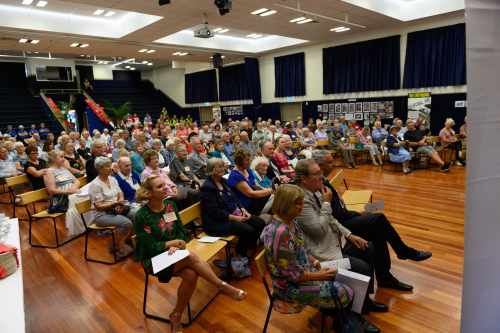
pixel 405 165
pixel 118 238
pixel 184 293
pixel 435 157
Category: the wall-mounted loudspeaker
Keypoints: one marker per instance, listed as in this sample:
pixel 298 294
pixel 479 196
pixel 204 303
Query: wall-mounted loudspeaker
pixel 217 60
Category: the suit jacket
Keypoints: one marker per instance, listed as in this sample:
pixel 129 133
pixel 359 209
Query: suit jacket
pixel 128 191
pixel 339 212
pixel 315 223
pixel 137 165
pixel 215 208
pixel 90 169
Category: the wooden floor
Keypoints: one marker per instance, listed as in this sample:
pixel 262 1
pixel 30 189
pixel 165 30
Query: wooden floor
pixel 65 293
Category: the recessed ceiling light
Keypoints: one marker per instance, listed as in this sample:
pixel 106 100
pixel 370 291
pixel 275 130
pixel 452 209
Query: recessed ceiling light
pixel 150 64
pixel 84 45
pixel 345 29
pixel 105 62
pixel 23 40
pixel 223 31
pixel 183 54
pixel 268 13
pixel 98 12
pixel 108 14
pixel 27 2
pixel 257 36
pixel 144 62
pixel 218 29
pixel 257 12
pixel 335 29
pixel 74 45
pixel 35 41
pixel 41 3
pixel 150 51
pixel 221 57
pixel 82 55
pixel 127 66
pixel 297 19
pixel 29 52
pixel 176 53
pixel 143 50
pixel 36 52
pixel 132 68
pixel 100 62
pixel 251 35
pixel 304 21
pixel 88 56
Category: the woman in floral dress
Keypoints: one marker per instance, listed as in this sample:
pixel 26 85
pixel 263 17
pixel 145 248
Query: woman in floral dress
pixel 297 277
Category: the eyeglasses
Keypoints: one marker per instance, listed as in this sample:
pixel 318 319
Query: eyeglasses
pixel 182 151
pixel 220 167
pixel 319 174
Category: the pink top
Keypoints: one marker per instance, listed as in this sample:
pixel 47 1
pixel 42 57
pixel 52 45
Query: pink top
pixel 463 129
pixel 193 130
pixel 364 139
pixel 449 135
pixel 162 174
pixel 181 133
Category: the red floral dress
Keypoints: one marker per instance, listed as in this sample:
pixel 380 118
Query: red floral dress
pixel 282 161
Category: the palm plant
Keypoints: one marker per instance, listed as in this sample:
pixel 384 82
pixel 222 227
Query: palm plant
pixel 117 115
pixel 61 106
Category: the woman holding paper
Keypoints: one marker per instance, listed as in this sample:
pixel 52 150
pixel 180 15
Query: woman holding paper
pixel 159 229
pixel 297 277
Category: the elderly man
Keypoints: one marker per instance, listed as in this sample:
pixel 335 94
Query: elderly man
pixel 8 169
pixel 273 170
pixel 342 123
pixel 97 148
pixel 372 227
pixel 273 134
pixel 418 142
pixel 198 159
pixel 421 127
pixel 38 142
pixel 64 139
pixel 86 136
pixel 379 134
pixel 205 136
pixel 307 142
pixel 126 138
pixel 73 137
pixel 105 135
pixel 230 127
pixel 181 173
pixel 402 130
pixel 246 127
pixel 164 136
pixel 339 142
pixel 228 146
pixel 154 136
pixel 43 132
pixel 247 144
pixel 32 142
pixel 259 135
pixel 289 130
pixel 238 124
pixel 128 180
pixel 326 237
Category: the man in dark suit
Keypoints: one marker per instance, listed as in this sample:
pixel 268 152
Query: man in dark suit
pixel 97 148
pixel 372 227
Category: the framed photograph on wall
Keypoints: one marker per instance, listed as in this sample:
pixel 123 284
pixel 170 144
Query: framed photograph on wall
pixel 374 107
pixel 367 116
pixel 359 107
pixel 358 116
pixel 331 107
pixel 352 107
pixel 338 108
pixel 320 108
pixel 331 116
pixel 345 107
pixel 325 108
pixel 366 106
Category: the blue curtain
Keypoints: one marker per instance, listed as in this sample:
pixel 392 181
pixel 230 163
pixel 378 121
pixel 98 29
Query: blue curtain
pixel 365 66
pixel 201 87
pixel 290 75
pixel 233 83
pixel 253 77
pixel 435 57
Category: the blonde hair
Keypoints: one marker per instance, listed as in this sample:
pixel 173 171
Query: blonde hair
pixel 53 154
pixel 285 197
pixel 142 194
pixel 149 154
pixel 449 121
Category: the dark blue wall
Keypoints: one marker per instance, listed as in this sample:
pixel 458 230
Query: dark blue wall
pixel 94 122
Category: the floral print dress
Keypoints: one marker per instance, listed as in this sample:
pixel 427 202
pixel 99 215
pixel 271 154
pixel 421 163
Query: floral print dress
pixel 153 232
pixel 287 258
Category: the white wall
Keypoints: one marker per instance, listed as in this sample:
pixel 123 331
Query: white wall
pixel 101 72
pixel 31 64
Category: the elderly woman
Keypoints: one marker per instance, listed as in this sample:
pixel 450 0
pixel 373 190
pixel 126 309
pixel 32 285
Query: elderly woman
pixel 340 142
pixel 296 276
pixel 73 163
pixel 221 153
pixel 242 181
pixel 83 151
pixel 9 145
pixel 20 158
pixel 106 199
pixel 299 128
pixel 170 134
pixel 289 151
pixel 157 145
pixel 138 163
pixel 449 141
pixel 141 137
pixel 217 133
pixel 355 125
pixel 97 135
pixel 235 140
pixel 259 167
pixel 397 152
pixel 35 168
pixel 182 133
pixel 223 214
pixel 281 158
pixel 365 137
pixel 306 142
pixel 169 152
pixel 120 144
pixel 48 146
pixel 159 229
pixel 97 148
pixel 320 134
pixel 22 135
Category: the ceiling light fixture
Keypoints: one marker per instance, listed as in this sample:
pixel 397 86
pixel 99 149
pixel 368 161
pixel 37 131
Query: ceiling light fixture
pixel 221 57
pixel 35 41
pixel 304 21
pixel 218 29
pixel 41 3
pixel 257 36
pixel 257 12
pixel 150 64
pixel 297 19
pixel 268 13
pixel 183 54
pixel 223 31
pixel 176 53
pixel 100 62
pixel 335 29
pixel 127 66
pixel 249 36
pixel 150 51
pixel 143 50
pixel 32 41
pixel 84 45
pixel 132 68
pixel 23 40
pixel 144 62
pixel 341 30
pixel 108 14
pixel 27 2
pixel 98 12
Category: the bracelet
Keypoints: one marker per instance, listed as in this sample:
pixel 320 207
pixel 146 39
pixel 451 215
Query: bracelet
pixel 308 276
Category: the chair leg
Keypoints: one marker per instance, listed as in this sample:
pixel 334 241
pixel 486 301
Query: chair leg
pixel 323 322
pixel 268 316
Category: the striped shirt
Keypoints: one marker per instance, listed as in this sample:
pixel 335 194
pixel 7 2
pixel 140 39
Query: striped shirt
pixel 64 179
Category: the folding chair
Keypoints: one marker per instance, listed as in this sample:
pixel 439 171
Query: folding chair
pixel 11 182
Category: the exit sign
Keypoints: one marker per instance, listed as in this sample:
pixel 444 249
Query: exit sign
pixel 288 99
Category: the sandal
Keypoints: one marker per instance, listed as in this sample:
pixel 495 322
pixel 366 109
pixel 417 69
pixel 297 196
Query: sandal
pixel 175 314
pixel 122 253
pixel 241 294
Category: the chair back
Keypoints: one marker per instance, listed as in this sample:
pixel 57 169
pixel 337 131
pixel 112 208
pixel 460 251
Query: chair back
pixel 260 260
pixel 434 139
pixel 338 179
pixel 190 213
pixel 323 143
pixel 384 143
pixel 296 145
pixel 83 181
pixel 83 206
pixel 12 181
pixel 353 140
pixel 134 240
pixel 33 196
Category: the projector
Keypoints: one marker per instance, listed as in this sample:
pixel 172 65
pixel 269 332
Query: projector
pixel 204 33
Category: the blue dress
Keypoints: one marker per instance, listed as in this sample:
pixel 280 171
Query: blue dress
pixel 397 154
pixel 236 177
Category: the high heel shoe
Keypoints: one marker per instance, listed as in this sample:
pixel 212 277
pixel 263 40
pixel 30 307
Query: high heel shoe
pixel 175 314
pixel 241 294
pixel 311 324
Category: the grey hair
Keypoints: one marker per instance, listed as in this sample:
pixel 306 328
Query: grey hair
pixel 366 128
pixel 59 139
pixel 136 144
pixel 193 138
pixel 258 160
pixel 378 122
pixel 140 134
pixel 82 139
pixel 17 144
pixel 95 143
pixel 302 169
pixel 101 162
pixel 155 141
pixel 169 142
pixel 179 146
pixel 122 159
pixel 319 156
pixel 409 121
pixel 218 142
pixel 224 134
pixel 122 153
pixel 126 131
pixel 212 164
pixel 120 142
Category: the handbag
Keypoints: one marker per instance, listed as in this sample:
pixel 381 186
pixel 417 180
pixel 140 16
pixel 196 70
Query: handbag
pixel 58 204
pixel 359 145
pixel 350 323
pixel 239 267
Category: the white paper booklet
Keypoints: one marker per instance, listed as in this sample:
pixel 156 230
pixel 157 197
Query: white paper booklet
pixel 163 260
pixel 358 283
pixel 182 191
pixel 208 239
pixel 293 162
pixel 373 207
pixel 336 264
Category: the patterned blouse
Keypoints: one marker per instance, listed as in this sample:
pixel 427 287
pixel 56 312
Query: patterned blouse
pixel 100 192
pixel 287 258
pixel 153 232
pixel 75 163
pixel 169 156
pixel 21 160
pixel 163 175
pixel 364 139
pixel 321 135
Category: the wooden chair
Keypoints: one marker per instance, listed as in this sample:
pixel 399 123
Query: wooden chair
pixel 83 181
pixel 83 207
pixel 351 197
pixel 11 182
pixel 34 196
pixel 260 260
pixel 387 160
pixel 358 152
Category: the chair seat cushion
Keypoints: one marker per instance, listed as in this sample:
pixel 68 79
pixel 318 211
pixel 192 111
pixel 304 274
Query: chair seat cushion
pixel 96 227
pixel 357 197
pixel 227 239
pixel 45 214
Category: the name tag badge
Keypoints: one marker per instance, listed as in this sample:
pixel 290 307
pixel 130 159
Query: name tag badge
pixel 343 139
pixel 62 178
pixel 186 168
pixel 169 217
pixel 136 186
pixel 368 137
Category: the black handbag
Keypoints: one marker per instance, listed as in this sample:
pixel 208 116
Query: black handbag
pixel 58 204
pixel 350 323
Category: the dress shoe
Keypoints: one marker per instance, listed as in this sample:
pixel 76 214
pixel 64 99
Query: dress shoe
pixel 416 255
pixel 367 326
pixel 377 307
pixel 395 284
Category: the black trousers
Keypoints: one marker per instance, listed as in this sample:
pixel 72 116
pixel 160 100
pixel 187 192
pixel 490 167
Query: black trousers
pixel 457 147
pixel 377 229
pixel 248 233
pixel 257 204
pixel 362 262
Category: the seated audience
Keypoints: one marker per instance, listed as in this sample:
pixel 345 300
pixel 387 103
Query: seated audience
pixel 87 85
pixel 182 133
pixel 296 275
pixel 419 126
pixel 379 134
pixel 223 214
pixel 22 135
pixel 190 147
pixel 20 158
pixel 259 135
pixel 120 144
pixel 397 151
pixel 242 181
pixel 157 234
pixel 227 145
pixel 97 148
pixel 73 163
pixel 365 138
pixel 402 129
pixel 289 151
pixel 355 125
pixel 205 136
pixel 342 123
pixel 48 146
pixel 320 134
pixel 11 132
pixel 299 129
pixel 138 164
pixel 35 168
pixel 128 141
pixel 273 170
pixel 141 137
pixel 198 160
pixel 247 144
pixel 418 142
pixel 307 142
pixel 106 199
pixel 11 152
pixel 157 145
pixel 281 158
pixel 220 152
pixel 339 142
pixel 235 140
pixel 181 173
pixel 169 152
pixel 83 151
pixel 119 154
pixel 259 167
pixel 8 169
pixel 448 141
